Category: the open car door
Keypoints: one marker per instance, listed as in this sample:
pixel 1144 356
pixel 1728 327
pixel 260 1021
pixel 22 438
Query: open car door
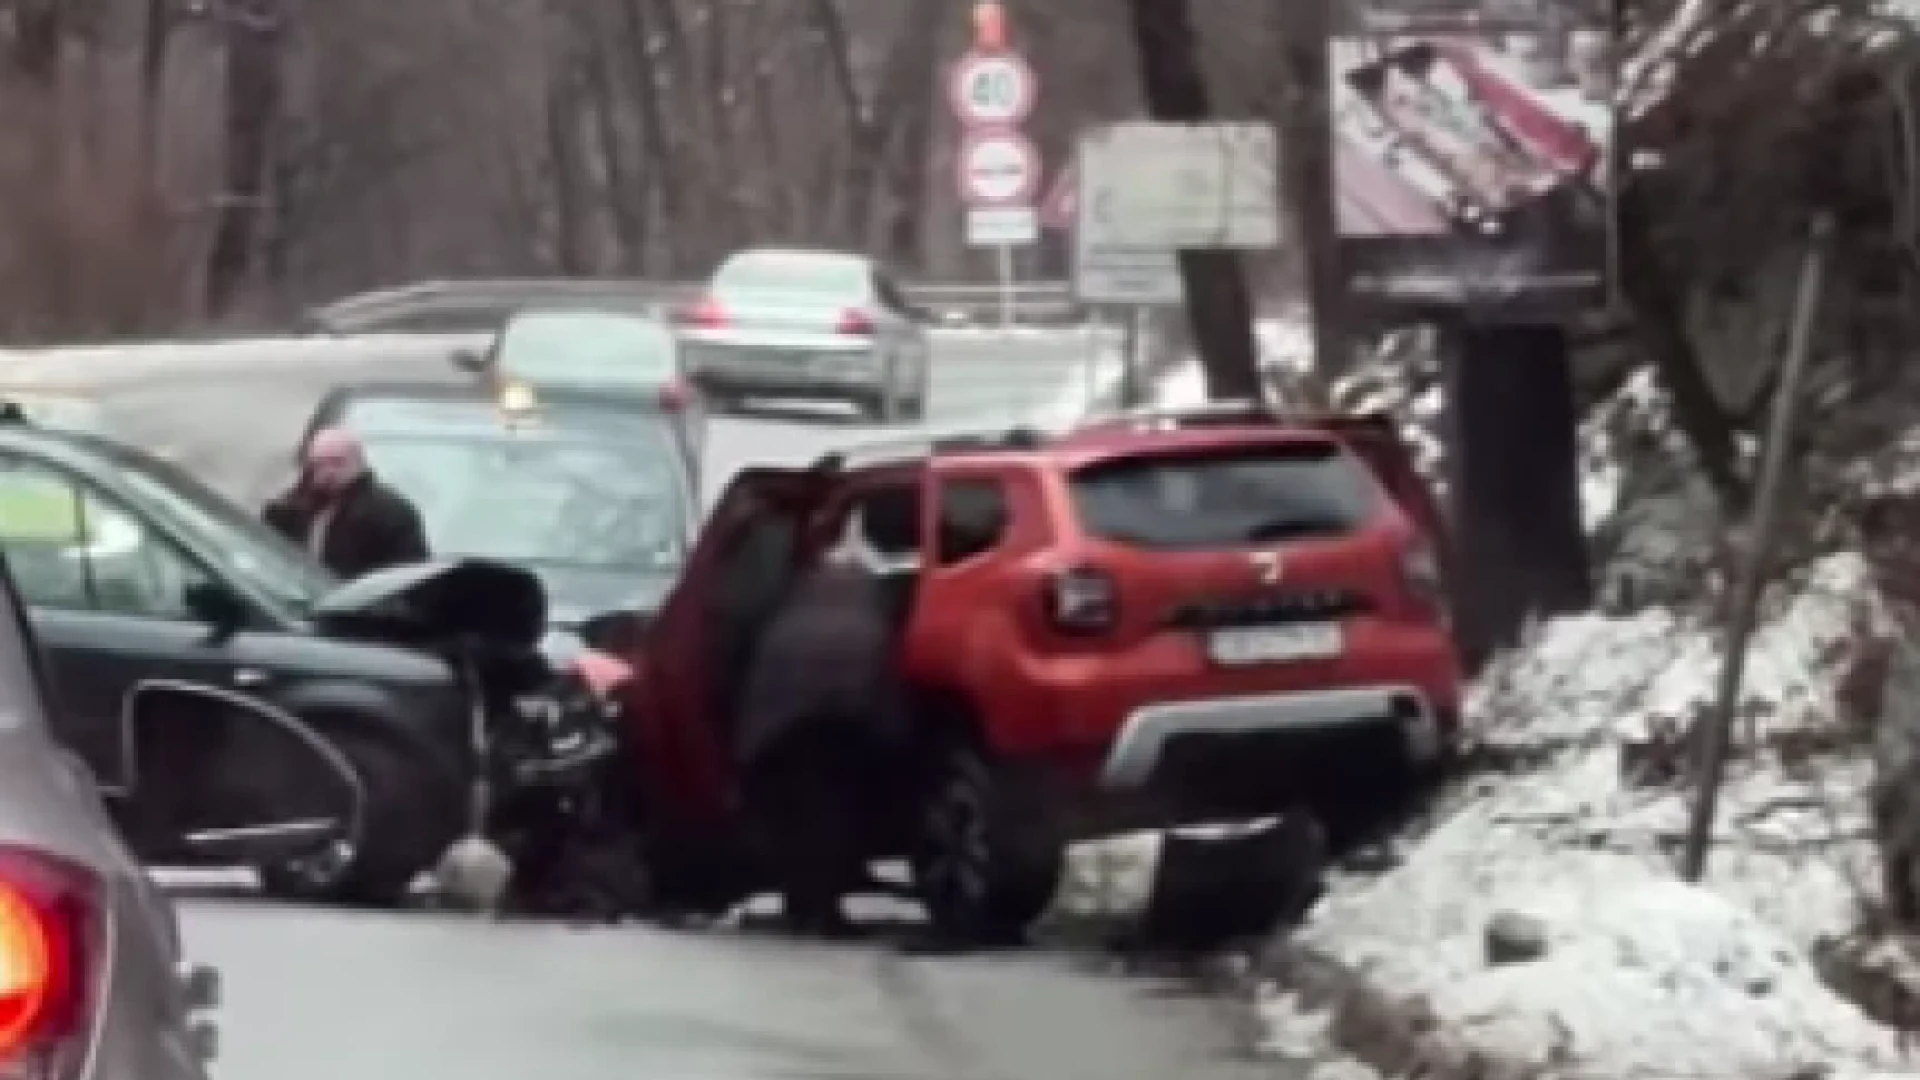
pixel 1376 440
pixel 695 657
pixel 217 776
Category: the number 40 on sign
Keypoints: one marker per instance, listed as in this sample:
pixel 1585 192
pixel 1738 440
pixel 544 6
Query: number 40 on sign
pixel 992 89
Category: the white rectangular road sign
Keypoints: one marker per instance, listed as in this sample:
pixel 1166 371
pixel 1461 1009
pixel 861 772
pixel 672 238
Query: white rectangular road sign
pixel 1127 277
pixel 1002 226
pixel 1105 274
pixel 1153 186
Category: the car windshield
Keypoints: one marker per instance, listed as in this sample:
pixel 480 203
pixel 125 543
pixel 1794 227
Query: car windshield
pixel 541 500
pixel 588 346
pixel 837 276
pixel 240 543
pixel 1225 498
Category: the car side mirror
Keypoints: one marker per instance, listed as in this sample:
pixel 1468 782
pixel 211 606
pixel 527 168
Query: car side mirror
pixel 615 632
pixel 222 609
pixel 469 361
pixel 191 756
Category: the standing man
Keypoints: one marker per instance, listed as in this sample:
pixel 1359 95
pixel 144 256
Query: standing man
pixel 338 510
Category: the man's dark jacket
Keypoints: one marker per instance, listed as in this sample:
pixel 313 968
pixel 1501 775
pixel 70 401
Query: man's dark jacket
pixel 374 527
pixel 826 658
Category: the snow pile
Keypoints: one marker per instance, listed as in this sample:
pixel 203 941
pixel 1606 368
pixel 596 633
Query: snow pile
pixel 1632 973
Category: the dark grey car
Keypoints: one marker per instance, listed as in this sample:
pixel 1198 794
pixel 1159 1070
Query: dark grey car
pixel 90 962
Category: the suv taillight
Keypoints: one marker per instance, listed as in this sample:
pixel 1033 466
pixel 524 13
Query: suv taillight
pixel 1083 601
pixel 675 396
pixel 855 322
pixel 1425 582
pixel 47 908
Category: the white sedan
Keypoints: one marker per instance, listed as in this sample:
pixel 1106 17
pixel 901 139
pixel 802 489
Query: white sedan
pixel 808 325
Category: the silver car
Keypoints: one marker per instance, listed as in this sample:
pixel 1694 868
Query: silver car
pixel 91 980
pixel 632 359
pixel 808 325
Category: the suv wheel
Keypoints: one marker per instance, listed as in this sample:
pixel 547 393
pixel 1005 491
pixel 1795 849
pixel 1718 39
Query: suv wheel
pixel 988 860
pixel 399 841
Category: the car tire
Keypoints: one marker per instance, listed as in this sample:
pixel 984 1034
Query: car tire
pixel 988 858
pixel 404 832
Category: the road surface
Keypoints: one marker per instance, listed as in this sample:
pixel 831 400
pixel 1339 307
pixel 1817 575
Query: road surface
pixel 419 996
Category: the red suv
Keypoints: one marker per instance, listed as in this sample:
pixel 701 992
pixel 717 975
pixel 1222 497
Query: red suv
pixel 1156 619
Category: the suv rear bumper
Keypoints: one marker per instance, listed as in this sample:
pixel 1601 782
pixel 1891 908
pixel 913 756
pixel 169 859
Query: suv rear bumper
pixel 1148 733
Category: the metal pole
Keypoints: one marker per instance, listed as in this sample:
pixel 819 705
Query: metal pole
pixel 1090 365
pixel 1135 357
pixel 1745 598
pixel 1006 285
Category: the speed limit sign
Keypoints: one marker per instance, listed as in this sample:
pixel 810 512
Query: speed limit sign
pixel 992 89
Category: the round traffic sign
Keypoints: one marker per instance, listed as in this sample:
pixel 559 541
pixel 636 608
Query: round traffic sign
pixel 998 168
pixel 992 89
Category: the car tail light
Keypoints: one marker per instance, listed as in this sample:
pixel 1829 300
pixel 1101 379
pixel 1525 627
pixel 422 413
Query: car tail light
pixel 1083 601
pixel 46 914
pixel 706 313
pixel 1424 580
pixel 856 322
pixel 675 396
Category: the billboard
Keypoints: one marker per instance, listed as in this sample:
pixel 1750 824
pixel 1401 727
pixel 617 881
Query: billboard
pixel 1472 156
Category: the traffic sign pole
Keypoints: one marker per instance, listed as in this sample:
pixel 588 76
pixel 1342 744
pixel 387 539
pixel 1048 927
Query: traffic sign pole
pixel 992 91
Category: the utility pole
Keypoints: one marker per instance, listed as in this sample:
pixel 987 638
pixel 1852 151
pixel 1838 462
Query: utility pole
pixel 1744 601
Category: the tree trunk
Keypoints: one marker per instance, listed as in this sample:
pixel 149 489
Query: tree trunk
pixel 1218 307
pixel 252 104
pixel 1307 174
pixel 1519 543
pixel 156 33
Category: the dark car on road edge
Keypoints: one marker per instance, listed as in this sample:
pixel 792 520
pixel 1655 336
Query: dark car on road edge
pixel 139 578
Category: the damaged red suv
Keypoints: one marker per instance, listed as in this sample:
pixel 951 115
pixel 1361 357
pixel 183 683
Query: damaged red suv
pixel 1158 619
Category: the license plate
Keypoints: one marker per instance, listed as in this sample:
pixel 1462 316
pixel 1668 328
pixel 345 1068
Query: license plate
pixel 1275 644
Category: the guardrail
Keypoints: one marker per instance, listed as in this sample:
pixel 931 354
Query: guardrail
pixel 459 306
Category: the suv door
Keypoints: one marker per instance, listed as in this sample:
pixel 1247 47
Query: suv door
pixel 703 638
pixel 1375 439
pixel 107 595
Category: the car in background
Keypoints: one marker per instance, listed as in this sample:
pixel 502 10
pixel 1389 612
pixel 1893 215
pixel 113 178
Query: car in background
pixel 92 981
pixel 626 357
pixel 139 580
pixel 805 325
pixel 590 496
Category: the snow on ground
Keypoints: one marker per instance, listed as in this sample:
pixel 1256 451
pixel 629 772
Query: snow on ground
pixel 1642 975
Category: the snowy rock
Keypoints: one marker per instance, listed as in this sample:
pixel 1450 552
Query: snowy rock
pixel 1514 937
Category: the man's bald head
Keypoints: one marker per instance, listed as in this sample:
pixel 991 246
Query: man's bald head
pixel 334 459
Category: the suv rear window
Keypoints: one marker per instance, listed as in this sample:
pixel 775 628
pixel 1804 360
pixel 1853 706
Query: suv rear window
pixel 1224 498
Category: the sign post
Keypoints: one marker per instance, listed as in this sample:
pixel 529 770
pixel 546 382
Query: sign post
pixel 1143 192
pixel 992 91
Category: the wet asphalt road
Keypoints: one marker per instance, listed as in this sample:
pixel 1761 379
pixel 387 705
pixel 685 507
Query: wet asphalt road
pixel 405 996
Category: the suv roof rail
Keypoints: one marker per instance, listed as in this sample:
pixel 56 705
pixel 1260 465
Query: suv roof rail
pixel 911 448
pixel 1232 411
